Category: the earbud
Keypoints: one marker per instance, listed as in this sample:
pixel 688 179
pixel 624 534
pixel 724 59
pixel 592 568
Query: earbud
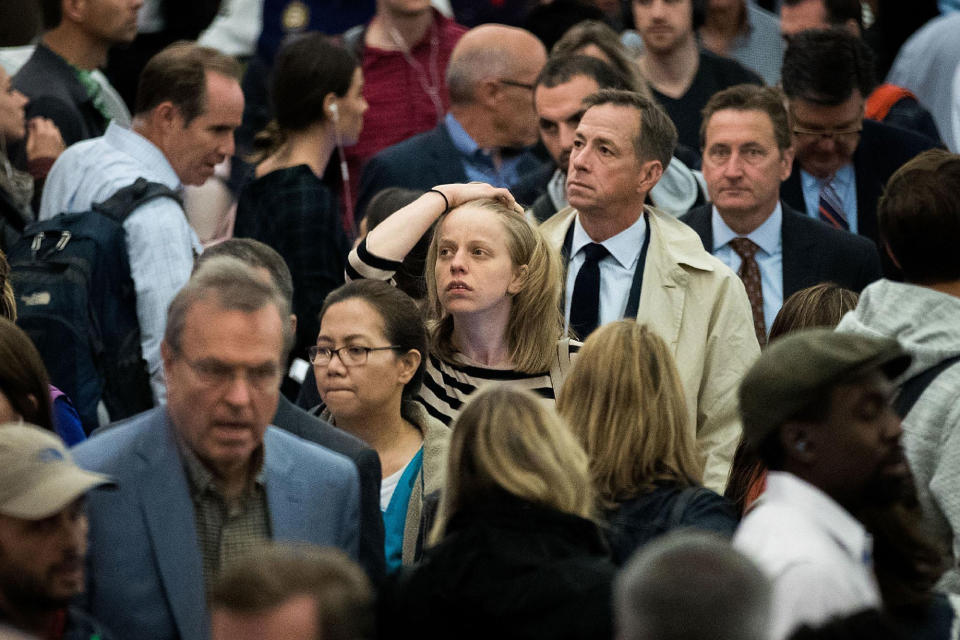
pixel 333 111
pixel 801 446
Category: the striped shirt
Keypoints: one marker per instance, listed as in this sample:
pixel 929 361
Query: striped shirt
pixel 447 385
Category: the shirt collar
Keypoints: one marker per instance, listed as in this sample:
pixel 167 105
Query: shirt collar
pixel 820 508
pixel 202 479
pixel 767 236
pixel 842 179
pixel 625 247
pixel 461 139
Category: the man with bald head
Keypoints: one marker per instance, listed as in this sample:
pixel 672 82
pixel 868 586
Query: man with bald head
pixel 490 123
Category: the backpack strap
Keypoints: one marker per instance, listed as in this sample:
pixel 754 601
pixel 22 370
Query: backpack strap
pixel 126 200
pixel 912 389
pixel 882 100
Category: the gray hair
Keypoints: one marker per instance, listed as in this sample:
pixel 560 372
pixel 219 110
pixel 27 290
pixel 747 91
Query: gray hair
pixel 235 287
pixel 469 68
pixel 656 134
pixel 691 585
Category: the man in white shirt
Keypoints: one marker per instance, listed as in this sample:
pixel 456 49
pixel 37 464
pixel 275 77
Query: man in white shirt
pixel 816 409
pixel 188 105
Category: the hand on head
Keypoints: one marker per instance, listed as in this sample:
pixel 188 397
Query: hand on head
pixel 459 194
pixel 43 139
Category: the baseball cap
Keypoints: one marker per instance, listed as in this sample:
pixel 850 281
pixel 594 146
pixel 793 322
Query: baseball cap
pixel 797 369
pixel 38 477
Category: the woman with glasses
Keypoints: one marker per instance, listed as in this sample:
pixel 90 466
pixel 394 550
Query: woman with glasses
pixel 516 554
pixel 369 362
pixel 493 293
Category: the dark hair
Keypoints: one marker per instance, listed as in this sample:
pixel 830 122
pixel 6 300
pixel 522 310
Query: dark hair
pixel 306 70
pixel 749 97
pixel 402 321
pixel 274 573
pixel 178 74
pixel 656 135
pixel 838 11
pixel 825 66
pixel 255 254
pixel 919 216
pixel 563 68
pixel 600 35
pixel 409 277
pixel 550 22
pixel 699 17
pixel 821 305
pixel 23 378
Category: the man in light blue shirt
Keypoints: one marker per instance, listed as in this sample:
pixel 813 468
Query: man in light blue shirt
pixel 747 154
pixel 188 106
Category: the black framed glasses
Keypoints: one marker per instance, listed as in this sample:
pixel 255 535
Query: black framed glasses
pixel 351 355
pixel 514 83
pixel 803 132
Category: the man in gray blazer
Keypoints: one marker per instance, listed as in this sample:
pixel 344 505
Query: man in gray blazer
pixel 204 479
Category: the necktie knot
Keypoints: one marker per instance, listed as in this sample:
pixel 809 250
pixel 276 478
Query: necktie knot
pixel 594 252
pixel 744 247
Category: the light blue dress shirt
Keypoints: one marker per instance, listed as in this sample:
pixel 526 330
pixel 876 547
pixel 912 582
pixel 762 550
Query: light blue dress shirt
pixel 769 257
pixel 844 183
pixel 478 163
pixel 160 241
pixel 616 270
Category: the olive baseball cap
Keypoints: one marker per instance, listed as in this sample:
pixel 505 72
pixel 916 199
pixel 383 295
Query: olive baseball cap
pixel 797 369
pixel 38 477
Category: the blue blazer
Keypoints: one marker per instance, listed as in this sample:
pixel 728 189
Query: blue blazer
pixel 144 567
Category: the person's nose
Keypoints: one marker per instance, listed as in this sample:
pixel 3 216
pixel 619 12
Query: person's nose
pixel 458 263
pixel 733 168
pixel 336 367
pixel 239 391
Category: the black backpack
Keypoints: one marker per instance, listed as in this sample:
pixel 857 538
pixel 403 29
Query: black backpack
pixel 77 302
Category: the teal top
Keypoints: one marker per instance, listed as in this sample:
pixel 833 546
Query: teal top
pixel 395 517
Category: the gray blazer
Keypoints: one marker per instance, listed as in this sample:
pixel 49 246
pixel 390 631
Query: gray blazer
pixel 145 575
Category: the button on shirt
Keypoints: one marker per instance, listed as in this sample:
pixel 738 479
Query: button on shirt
pixel 616 270
pixel 227 528
pixel 769 258
pixel 844 183
pixel 160 242
pixel 817 555
pixel 478 163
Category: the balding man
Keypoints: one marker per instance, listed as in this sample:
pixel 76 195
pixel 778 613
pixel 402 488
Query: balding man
pixel 490 122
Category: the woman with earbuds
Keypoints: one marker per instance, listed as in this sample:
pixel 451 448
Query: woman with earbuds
pixel 318 106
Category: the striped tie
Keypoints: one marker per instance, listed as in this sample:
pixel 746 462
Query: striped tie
pixel 830 208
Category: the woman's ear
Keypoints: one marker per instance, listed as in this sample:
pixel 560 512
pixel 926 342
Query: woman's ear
pixel 408 365
pixel 519 279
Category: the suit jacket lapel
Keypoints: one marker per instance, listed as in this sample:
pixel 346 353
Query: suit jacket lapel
pixel 791 190
pixel 798 249
pixel 869 185
pixel 445 158
pixel 285 491
pixel 171 524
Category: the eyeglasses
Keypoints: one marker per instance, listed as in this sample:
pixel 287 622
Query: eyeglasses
pixel 216 374
pixel 514 83
pixel 352 355
pixel 802 132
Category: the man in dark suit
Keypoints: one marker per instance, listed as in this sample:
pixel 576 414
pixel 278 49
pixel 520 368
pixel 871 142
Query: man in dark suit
pixel 295 420
pixel 491 120
pixel 775 250
pixel 843 161
pixel 204 479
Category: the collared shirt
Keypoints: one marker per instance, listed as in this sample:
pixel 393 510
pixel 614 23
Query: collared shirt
pixel 844 183
pixel 616 269
pixel 818 556
pixel 478 163
pixel 769 258
pixel 160 242
pixel 227 528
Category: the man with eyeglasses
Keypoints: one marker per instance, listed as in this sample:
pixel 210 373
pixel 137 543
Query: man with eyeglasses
pixel 776 251
pixel 842 160
pixel 487 131
pixel 204 479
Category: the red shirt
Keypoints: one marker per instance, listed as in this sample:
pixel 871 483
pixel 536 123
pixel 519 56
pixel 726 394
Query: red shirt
pixel 400 106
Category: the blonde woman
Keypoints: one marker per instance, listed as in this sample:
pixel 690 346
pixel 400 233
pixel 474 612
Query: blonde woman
pixel 624 402
pixel 493 293
pixel 517 554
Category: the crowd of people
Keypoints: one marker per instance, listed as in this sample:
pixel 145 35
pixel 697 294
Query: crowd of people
pixel 575 319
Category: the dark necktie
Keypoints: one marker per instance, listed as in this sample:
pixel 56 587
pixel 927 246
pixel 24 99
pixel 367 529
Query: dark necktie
pixel 585 304
pixel 750 274
pixel 830 208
